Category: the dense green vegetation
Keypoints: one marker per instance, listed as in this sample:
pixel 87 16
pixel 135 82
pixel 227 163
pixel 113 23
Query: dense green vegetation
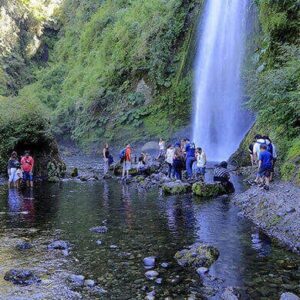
pixel 121 70
pixel 274 83
pixel 105 49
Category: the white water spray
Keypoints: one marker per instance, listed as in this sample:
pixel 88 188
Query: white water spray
pixel 219 121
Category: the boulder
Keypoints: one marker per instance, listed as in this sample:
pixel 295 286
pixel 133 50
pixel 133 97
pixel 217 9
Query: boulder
pixel 197 255
pixel 289 296
pixel 99 229
pixel 22 277
pixel 208 189
pixel 176 187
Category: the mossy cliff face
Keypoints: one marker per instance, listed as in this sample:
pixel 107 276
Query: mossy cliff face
pixel 118 71
pixel 273 84
pixel 22 25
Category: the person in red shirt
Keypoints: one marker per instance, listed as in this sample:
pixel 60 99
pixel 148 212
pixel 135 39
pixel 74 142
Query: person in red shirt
pixel 127 161
pixel 27 164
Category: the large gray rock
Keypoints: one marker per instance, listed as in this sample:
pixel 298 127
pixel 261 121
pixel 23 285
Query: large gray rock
pixel 22 277
pixel 197 255
pixel 289 296
pixel 176 187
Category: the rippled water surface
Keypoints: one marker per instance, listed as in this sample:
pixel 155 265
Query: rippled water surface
pixel 143 224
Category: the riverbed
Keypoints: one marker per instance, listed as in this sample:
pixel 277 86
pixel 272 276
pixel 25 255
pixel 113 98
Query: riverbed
pixel 145 223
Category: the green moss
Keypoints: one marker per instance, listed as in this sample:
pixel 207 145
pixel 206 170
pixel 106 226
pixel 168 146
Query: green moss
pixel 208 190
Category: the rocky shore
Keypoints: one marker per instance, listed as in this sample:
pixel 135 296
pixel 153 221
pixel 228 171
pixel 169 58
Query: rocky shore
pixel 277 211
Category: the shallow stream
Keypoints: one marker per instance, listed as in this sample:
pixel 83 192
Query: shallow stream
pixel 145 223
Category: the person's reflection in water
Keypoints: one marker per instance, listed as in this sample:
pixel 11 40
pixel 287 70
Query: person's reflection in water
pixel 14 201
pixel 127 205
pixel 105 195
pixel 170 212
pixel 28 205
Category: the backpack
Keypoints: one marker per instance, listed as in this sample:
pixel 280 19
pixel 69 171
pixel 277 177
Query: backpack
pixel 270 148
pixel 122 154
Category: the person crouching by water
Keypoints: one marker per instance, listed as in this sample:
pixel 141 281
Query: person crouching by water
pixel 126 162
pixel 169 160
pixel 221 174
pixel 27 164
pixel 178 162
pixel 12 167
pixel 200 163
pixel 141 166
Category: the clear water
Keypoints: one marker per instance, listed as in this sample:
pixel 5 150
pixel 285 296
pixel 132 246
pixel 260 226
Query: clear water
pixel 146 223
pixel 219 120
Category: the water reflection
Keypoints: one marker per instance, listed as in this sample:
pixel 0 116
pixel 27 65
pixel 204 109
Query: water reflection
pixel 127 205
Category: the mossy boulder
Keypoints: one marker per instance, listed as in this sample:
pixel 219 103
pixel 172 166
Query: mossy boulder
pixel 208 190
pixel 74 172
pixel 176 187
pixel 197 255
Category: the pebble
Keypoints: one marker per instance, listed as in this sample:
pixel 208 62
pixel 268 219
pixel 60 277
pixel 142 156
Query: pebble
pixel 113 247
pixel 202 270
pixel 89 283
pixel 98 242
pixel 158 280
pixel 77 279
pixel 149 261
pixel 151 274
pixel 165 265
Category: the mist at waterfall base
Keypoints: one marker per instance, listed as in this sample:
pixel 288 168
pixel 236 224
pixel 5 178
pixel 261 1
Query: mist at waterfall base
pixel 219 119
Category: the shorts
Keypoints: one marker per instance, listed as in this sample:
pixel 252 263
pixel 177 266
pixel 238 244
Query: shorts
pixel 27 176
pixel 13 177
pixel 127 165
pixel 264 172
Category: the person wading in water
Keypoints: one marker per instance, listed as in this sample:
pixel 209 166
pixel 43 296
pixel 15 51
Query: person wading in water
pixel 27 163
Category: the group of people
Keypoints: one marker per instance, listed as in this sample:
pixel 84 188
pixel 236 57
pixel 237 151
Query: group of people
pixel 180 156
pixel 184 155
pixel 263 154
pixel 20 170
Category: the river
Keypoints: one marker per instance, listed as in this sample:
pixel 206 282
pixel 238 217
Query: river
pixel 145 223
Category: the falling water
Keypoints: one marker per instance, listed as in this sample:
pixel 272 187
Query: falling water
pixel 219 121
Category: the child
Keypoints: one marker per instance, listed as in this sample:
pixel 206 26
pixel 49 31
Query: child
pixel 264 167
pixel 19 177
pixel 201 162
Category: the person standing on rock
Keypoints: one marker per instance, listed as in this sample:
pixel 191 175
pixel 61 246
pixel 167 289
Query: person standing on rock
pixel 264 167
pixel 272 149
pixel 169 160
pixel 126 162
pixel 12 167
pixel 190 158
pixel 178 163
pixel 106 158
pixel 201 163
pixel 161 145
pixel 27 164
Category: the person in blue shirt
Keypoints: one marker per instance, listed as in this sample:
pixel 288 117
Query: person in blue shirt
pixel 264 166
pixel 190 151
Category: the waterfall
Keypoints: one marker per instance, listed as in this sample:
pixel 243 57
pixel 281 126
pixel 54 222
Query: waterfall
pixel 219 120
